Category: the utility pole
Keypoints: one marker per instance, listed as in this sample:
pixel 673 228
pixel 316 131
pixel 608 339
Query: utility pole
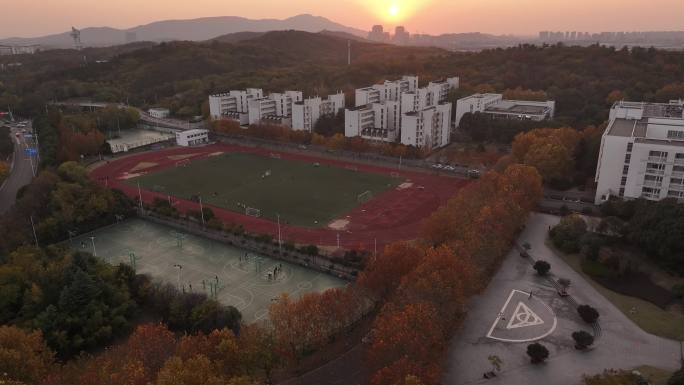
pixel 180 269
pixel 348 52
pixel 201 210
pixel 33 226
pixel 338 240
pixel 280 240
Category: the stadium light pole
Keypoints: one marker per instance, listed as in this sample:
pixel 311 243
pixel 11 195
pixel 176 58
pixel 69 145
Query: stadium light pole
pixel 201 210
pixel 33 226
pixel 180 269
pixel 338 240
pixel 92 240
pixel 280 240
pixel 140 199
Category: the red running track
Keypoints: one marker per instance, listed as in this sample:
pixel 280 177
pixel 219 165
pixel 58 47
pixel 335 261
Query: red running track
pixel 394 215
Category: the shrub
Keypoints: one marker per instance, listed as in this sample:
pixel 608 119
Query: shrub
pixel 542 267
pixel 568 233
pixel 582 339
pixel 588 313
pixel 538 353
pixel 677 378
pixel 678 291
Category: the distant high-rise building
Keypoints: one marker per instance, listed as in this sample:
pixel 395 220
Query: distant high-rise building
pixel 378 34
pixel 401 36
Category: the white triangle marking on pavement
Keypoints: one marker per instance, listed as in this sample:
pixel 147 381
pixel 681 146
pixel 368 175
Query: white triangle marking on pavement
pixel 523 317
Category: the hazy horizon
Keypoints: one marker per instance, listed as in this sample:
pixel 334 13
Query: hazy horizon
pixel 32 18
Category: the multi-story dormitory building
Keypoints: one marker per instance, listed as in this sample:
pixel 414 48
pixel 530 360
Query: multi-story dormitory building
pixel 642 152
pixel 399 111
pixel 289 108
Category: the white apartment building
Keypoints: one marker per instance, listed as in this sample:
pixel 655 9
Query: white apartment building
pixel 305 114
pixel 642 152
pixel 194 137
pixel 376 121
pixel 498 107
pixel 382 109
pixel 389 90
pixel 428 128
pixel 234 104
pixel 159 113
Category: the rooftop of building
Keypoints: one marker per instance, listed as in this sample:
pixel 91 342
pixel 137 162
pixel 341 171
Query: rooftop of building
pixel 628 127
pixel 673 109
pixel 518 108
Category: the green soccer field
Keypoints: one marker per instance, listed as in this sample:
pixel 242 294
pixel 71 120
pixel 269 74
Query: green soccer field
pixel 300 192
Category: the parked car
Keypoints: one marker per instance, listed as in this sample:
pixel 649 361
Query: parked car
pixel 475 174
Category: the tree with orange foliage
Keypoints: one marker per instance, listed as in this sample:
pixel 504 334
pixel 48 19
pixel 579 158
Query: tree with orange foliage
pixel 549 150
pixel 407 372
pixel 23 356
pixel 383 273
pixel 219 346
pixel 413 331
pixel 445 279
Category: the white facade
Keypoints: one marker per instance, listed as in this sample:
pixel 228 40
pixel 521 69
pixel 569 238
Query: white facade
pixel 642 152
pixel 305 114
pixel 192 137
pixel 496 106
pixel 428 128
pixel 159 113
pixel 400 111
pixel 233 105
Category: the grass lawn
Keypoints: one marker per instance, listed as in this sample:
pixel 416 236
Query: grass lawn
pixel 301 193
pixel 649 317
pixel 655 376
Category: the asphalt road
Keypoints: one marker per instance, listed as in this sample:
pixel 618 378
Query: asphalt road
pixel 622 344
pixel 21 174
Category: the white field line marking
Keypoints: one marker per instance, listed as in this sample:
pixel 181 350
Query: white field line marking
pixel 553 327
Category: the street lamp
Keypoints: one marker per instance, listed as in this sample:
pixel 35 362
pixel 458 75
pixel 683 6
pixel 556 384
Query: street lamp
pixel 180 269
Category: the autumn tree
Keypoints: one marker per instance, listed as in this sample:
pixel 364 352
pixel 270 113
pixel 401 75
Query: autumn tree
pixel 23 356
pixel 383 273
pixel 413 331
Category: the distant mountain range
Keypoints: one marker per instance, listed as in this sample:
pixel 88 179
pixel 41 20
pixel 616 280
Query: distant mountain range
pixel 194 30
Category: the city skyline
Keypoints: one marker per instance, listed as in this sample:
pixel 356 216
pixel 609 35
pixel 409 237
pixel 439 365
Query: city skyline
pixel 35 18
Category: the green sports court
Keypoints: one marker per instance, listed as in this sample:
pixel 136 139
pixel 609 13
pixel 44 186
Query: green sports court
pixel 302 193
pixel 237 278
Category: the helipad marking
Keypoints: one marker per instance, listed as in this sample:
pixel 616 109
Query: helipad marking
pixel 501 314
pixel 522 317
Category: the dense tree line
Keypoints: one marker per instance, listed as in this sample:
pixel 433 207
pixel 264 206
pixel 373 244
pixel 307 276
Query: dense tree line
pixel 6 150
pixel 59 201
pixel 583 81
pixel 422 288
pixel 654 227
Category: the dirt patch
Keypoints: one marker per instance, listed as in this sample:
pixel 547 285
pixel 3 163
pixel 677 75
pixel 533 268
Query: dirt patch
pixel 218 153
pixel 130 175
pixel 142 166
pixel 405 185
pixel 181 156
pixel 339 224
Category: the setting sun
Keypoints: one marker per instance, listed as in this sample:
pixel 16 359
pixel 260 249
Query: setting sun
pixel 394 10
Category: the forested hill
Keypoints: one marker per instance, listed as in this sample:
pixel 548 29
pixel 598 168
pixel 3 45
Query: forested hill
pixel 583 80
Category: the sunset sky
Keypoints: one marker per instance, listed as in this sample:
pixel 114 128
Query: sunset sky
pixel 40 17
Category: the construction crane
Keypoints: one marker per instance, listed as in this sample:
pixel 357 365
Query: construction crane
pixel 76 35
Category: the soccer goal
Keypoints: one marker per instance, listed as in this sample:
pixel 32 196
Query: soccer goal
pixel 252 212
pixel 364 197
pixel 183 163
pixel 275 156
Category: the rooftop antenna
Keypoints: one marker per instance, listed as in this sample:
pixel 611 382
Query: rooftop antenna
pixel 76 35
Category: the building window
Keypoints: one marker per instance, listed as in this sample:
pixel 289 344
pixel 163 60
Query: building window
pixel 625 169
pixel 622 192
pixel 675 134
pixel 629 147
pixel 623 181
pixel 628 158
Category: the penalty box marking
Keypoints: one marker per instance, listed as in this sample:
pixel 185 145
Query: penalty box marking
pixel 501 312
